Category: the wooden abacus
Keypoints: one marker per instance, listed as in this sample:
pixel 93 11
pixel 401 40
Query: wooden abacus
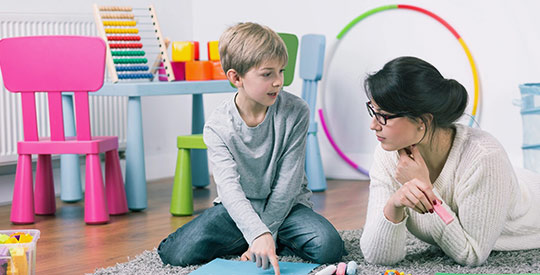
pixel 131 40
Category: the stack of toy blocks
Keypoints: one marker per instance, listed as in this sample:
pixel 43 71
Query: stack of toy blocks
pixel 187 65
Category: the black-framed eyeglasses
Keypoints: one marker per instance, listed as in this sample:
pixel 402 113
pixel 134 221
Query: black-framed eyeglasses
pixel 381 118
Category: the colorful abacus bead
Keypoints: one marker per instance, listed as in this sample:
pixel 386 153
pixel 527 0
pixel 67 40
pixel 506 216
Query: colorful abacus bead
pixel 115 8
pixel 135 76
pixel 119 23
pixel 124 38
pixel 131 68
pixel 117 30
pixel 130 60
pixel 117 16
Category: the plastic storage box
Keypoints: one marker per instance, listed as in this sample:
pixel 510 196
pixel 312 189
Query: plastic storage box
pixel 18 258
pixel 530 115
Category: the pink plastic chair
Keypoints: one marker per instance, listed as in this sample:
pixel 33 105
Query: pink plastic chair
pixel 56 64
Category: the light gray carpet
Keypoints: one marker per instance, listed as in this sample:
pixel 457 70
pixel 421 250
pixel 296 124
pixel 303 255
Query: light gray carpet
pixel 421 259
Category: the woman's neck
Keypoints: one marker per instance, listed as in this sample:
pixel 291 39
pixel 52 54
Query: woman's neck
pixel 436 153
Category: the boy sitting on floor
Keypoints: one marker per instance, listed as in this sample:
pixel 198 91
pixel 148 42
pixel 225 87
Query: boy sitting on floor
pixel 257 144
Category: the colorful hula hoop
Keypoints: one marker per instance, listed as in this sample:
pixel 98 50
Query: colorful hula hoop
pixel 349 27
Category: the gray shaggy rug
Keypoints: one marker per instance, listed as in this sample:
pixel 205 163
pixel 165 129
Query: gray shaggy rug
pixel 421 259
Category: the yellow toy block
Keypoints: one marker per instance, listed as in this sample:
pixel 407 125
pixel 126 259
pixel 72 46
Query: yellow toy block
pixel 213 51
pixel 19 261
pixel 183 51
pixel 3 238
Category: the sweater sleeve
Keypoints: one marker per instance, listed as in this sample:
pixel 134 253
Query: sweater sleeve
pixel 482 198
pixel 229 189
pixel 382 241
pixel 290 175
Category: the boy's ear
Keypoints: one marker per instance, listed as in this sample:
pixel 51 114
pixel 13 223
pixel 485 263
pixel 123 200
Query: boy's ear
pixel 234 78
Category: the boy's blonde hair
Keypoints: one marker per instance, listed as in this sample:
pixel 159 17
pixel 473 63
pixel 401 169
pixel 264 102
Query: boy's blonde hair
pixel 247 45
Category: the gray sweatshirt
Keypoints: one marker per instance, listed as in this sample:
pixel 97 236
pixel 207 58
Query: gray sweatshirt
pixel 259 171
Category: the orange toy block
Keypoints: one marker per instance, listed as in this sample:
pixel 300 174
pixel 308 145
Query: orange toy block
pixel 213 51
pixel 183 51
pixel 217 71
pixel 198 70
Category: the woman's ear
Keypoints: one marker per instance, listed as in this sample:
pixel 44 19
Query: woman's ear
pixel 234 78
pixel 425 120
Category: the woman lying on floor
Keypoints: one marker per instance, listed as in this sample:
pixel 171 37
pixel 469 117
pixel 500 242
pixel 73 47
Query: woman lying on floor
pixel 426 160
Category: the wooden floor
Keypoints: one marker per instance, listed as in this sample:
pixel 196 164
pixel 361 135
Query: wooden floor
pixel 68 246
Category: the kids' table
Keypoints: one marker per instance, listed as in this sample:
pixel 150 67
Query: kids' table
pixel 135 178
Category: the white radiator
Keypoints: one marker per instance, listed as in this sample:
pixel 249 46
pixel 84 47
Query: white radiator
pixel 108 114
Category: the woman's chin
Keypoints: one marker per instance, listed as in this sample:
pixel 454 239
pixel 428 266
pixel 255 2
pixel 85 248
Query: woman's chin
pixel 388 147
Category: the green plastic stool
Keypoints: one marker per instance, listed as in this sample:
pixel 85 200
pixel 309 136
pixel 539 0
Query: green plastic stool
pixel 182 193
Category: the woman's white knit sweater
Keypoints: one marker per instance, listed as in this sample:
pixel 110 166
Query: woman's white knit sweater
pixel 492 209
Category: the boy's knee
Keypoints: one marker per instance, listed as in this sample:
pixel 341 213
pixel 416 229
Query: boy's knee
pixel 169 252
pixel 175 253
pixel 327 248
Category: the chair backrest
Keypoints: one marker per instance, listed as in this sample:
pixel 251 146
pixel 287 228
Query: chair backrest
pixel 291 42
pixel 53 64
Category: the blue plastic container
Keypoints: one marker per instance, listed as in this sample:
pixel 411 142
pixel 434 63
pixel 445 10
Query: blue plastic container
pixel 530 115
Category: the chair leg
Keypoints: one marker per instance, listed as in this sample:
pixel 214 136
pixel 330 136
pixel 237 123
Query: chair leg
pixel 22 208
pixel 182 193
pixel 44 198
pixel 95 206
pixel 114 184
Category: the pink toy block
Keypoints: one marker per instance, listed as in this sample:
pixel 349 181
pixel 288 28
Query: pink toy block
pixel 178 68
pixel 445 216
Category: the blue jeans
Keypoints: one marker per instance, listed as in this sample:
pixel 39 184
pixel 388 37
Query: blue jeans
pixel 214 234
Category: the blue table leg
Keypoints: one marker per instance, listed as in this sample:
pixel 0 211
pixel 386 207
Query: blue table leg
pixel 70 168
pixel 314 167
pixel 199 158
pixel 135 165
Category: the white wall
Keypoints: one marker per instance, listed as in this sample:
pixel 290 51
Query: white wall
pixel 502 36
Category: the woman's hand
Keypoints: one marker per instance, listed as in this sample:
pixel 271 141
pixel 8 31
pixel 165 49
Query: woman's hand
pixel 416 191
pixel 411 165
pixel 262 251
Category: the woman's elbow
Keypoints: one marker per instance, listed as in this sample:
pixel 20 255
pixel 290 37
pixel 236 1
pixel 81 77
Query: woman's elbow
pixel 381 260
pixel 379 257
pixel 471 259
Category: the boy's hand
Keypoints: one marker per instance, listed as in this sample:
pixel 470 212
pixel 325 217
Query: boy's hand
pixel 262 251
